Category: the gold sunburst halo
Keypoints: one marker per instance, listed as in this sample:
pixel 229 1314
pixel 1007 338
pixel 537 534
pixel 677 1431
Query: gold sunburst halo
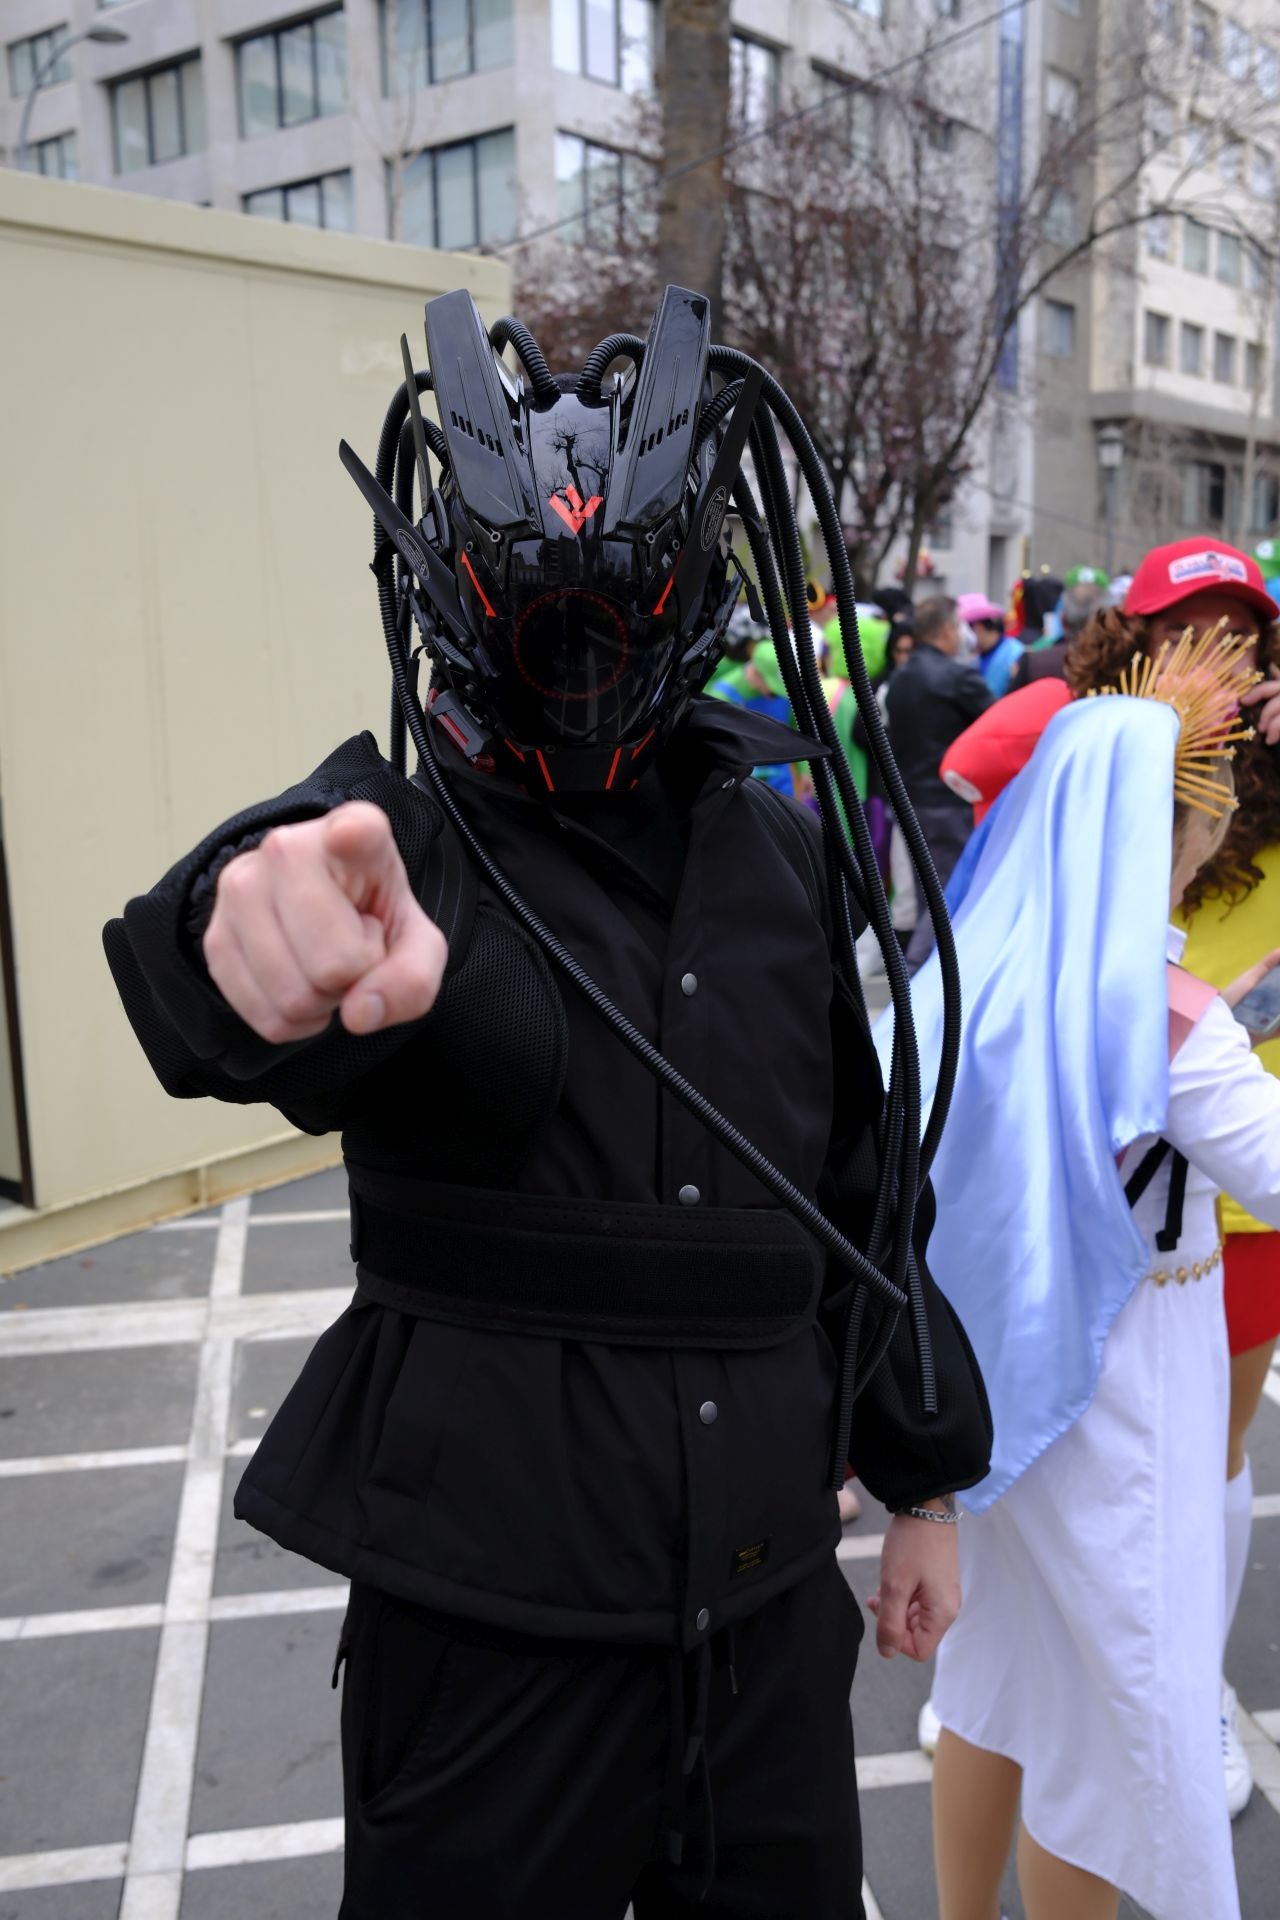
pixel 1203 677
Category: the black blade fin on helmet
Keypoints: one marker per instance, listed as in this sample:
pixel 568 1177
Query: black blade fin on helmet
pixel 429 568
pixel 713 503
pixel 489 470
pixel 649 474
pixel 419 431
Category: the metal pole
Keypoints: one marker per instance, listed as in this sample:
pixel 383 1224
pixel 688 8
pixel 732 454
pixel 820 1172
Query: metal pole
pixel 1109 518
pixel 98 31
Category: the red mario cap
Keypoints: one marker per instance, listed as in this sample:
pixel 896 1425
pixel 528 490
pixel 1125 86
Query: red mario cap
pixel 1174 573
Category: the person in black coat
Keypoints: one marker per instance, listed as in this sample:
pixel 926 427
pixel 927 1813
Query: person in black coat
pixel 620 1676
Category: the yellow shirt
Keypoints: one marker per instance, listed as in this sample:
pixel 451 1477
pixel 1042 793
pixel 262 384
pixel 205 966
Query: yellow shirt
pixel 1224 942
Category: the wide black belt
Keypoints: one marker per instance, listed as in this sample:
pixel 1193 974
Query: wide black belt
pixel 622 1273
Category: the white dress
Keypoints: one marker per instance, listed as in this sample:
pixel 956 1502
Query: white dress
pixel 1089 1645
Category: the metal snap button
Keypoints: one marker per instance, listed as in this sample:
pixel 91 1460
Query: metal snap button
pixel 703 1620
pixel 708 1413
pixel 689 985
pixel 689 1196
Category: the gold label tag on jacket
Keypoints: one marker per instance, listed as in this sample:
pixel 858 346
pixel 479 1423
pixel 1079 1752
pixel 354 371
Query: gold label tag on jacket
pixel 747 1559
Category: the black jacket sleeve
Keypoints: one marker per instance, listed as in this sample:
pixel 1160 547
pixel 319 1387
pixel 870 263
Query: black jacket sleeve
pixel 902 1453
pixel 194 1042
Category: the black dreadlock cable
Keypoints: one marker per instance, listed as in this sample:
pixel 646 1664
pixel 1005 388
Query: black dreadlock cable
pixel 854 1377
pixel 815 715
pixel 728 361
pixel 728 1136
pixel 618 346
pixel 512 332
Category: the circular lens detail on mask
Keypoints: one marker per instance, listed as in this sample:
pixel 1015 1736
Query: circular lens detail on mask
pixel 571 645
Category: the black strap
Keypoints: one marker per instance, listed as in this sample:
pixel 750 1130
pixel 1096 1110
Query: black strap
pixel 1142 1176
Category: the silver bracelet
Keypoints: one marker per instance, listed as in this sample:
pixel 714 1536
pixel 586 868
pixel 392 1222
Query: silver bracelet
pixel 949 1519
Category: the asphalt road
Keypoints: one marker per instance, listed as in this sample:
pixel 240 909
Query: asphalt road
pixel 168 1737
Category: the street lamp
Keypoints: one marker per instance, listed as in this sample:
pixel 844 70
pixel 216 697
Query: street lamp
pixel 1110 457
pixel 100 32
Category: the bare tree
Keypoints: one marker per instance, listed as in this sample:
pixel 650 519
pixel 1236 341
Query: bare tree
pixel 695 123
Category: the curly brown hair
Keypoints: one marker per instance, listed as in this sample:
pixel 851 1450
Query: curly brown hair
pixel 1098 657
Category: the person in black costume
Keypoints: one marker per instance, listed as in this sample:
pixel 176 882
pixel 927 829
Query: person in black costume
pixel 612 1228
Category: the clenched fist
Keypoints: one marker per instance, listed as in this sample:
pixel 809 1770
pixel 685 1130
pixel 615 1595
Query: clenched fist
pixel 321 916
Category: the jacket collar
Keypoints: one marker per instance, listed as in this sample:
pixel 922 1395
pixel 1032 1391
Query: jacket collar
pixel 738 739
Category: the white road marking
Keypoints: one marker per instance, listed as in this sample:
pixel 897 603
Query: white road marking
pixel 69 1867
pixel 241 1846
pixel 860 1546
pixel 1264 1755
pixel 163 1323
pixel 33 1463
pixel 262 1606
pixel 1269 1723
pixel 229 1606
pixel 56 1626
pixel 870 1905
pixel 315 1216
pixel 911 1769
pixel 157 1845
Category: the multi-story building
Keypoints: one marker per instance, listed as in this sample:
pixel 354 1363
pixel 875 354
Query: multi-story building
pixel 1157 412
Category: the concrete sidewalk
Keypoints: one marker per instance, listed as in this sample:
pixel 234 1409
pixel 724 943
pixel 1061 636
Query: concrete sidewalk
pixel 168 1737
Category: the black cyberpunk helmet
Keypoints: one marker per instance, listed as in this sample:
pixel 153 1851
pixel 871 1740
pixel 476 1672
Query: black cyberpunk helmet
pixel 571 575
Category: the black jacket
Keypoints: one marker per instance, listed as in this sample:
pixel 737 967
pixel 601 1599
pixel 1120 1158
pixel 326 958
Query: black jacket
pixel 932 698
pixel 631 1488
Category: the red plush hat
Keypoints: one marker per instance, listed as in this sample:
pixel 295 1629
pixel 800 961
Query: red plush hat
pixel 1174 573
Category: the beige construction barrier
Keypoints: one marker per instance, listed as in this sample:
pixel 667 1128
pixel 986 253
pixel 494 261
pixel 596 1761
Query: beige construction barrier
pixel 187 623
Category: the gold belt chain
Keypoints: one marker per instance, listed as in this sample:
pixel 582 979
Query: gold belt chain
pixel 1200 1271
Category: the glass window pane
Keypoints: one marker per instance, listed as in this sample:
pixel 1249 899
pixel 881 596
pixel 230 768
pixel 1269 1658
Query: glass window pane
pixel 69 157
pixel 455 190
pixel 637 46
pixel 130 99
pixel 1229 259
pixel 267 205
pixel 639 183
pixel 450 39
pixel 297 82
pixel 21 68
pixel 336 202
pixel 405 62
pixel 331 62
pixel 1224 357
pixel 259 110
pixel 302 204
pixel 566 35
pixel 192 75
pixel 570 185
pixel 602 41
pixel 417 206
pixel 1195 246
pixel 494 44
pixel 603 184
pixel 496 161
pixel 166 118
pixel 1191 357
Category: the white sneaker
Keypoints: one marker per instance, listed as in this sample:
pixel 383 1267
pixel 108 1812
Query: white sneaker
pixel 1235 1761
pixel 928 1727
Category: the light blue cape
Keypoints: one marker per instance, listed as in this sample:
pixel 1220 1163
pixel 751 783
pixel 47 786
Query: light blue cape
pixel 1064 1062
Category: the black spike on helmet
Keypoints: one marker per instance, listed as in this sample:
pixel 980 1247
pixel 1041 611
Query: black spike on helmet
pixel 574 576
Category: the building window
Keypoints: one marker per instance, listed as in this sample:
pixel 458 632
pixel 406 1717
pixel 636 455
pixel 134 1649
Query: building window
pixel 872 9
pixel 1266 501
pixel 1191 349
pixel 1069 6
pixel 1237 50
pixel 58 157
pixel 1231 161
pixel 1162 125
pixel 1164 18
pixel 1224 359
pixel 324 202
pixel 293 74
pixel 1204 35
pixel 1156 330
pixel 1199 142
pixel 1204 493
pixel 439 40
pixel 26 57
pixel 1059 329
pixel 603 195
pixel 1158 229
pixel 1195 245
pixel 1262 173
pixel 755 82
pixel 1255 269
pixel 462 195
pixel 940 533
pixel 1060 220
pixel 158 116
pixel 853 110
pixel 939 133
pixel 1254 366
pixel 1268 72
pixel 610 40
pixel 1229 259
pixel 1062 98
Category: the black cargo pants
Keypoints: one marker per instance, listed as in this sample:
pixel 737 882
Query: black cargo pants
pixel 494 1776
